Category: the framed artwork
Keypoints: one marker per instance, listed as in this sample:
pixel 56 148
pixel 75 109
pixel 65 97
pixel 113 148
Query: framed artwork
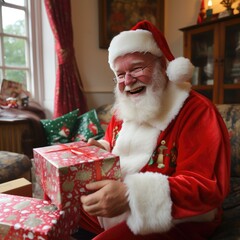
pixel 119 15
pixel 10 88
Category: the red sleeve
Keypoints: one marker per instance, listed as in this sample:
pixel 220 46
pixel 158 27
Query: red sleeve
pixel 112 131
pixel 201 180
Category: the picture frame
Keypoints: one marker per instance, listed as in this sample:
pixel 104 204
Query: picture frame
pixel 120 15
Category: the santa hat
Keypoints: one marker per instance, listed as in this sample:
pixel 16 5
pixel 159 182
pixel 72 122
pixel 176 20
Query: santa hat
pixel 145 37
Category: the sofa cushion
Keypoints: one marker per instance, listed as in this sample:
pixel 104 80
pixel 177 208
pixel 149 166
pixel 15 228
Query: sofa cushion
pixel 231 116
pixel 104 113
pixel 13 165
pixel 87 126
pixel 230 227
pixel 233 199
pixel 59 130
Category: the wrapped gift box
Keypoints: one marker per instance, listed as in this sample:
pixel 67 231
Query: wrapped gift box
pixel 64 170
pixel 30 218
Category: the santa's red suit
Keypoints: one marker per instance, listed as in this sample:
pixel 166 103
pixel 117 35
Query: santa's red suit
pixel 175 164
pixel 176 167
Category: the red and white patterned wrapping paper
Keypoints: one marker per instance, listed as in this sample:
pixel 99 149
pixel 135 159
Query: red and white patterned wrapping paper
pixel 65 169
pixel 30 218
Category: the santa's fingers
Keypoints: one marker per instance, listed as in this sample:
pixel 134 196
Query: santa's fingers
pixel 93 142
pixel 89 200
pixel 95 210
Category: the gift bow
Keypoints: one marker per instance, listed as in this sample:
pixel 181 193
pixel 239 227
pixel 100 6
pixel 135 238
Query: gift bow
pixel 81 151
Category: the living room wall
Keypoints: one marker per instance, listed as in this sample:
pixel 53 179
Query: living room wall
pixel 92 61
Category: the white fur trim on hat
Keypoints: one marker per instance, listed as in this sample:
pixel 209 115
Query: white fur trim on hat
pixel 150 203
pixel 130 42
pixel 180 70
pixel 151 41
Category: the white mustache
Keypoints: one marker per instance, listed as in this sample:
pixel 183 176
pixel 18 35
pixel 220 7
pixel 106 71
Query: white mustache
pixel 134 86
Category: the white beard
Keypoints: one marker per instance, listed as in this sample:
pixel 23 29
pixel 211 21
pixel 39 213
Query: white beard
pixel 145 107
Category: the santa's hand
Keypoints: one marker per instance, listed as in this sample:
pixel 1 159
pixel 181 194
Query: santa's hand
pixel 93 142
pixel 108 200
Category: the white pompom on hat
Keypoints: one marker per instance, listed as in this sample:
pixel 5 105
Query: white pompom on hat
pixel 146 38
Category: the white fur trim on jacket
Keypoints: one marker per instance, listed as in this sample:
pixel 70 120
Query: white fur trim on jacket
pixel 150 206
pixel 174 97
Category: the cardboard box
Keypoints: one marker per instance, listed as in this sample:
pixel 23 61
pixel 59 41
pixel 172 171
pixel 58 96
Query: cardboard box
pixel 24 218
pixel 64 170
pixel 20 187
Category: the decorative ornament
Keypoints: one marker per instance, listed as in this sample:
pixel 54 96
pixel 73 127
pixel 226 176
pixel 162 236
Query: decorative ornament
pixel 160 155
pixel 12 102
pixel 201 14
pixel 115 135
pixel 228 5
pixel 173 156
pixel 209 11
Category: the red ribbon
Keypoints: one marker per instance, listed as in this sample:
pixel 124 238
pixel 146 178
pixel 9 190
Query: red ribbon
pixel 81 151
pixel 62 148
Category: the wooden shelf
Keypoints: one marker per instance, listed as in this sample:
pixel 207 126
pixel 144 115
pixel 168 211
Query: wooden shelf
pixel 231 86
pixel 213 48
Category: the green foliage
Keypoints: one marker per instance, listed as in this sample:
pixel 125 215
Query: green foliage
pixel 18 28
pixel 14 51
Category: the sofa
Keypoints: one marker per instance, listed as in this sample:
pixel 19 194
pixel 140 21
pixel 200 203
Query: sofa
pixel 230 227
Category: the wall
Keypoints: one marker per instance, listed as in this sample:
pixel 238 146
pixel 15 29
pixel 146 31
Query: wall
pixel 49 65
pixel 92 61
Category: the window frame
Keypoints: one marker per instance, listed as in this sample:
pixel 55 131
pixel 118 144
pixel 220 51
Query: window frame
pixel 34 49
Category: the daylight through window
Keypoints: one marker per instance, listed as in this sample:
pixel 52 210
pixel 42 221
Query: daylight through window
pixel 15 42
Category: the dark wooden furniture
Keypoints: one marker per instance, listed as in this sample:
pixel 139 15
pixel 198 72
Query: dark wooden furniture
pixel 214 49
pixel 21 129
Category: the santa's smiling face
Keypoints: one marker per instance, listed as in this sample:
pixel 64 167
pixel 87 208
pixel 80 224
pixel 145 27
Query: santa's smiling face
pixel 141 80
pixel 134 72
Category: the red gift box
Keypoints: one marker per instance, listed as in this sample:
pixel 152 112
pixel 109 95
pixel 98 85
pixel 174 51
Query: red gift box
pixel 30 218
pixel 65 169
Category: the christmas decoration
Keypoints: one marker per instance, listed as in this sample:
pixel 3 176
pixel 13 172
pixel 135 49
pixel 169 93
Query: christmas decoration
pixel 25 218
pixel 63 170
pixel 227 3
pixel 201 14
pixel 59 129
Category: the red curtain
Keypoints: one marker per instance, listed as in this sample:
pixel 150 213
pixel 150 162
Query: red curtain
pixel 68 93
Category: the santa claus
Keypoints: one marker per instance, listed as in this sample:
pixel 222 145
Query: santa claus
pixel 173 146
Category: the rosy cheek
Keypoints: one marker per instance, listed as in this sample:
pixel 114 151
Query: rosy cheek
pixel 146 79
pixel 121 86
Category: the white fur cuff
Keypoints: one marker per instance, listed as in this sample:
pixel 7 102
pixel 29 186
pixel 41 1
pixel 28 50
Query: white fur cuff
pixel 150 203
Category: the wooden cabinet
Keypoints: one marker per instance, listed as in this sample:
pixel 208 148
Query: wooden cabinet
pixel 214 49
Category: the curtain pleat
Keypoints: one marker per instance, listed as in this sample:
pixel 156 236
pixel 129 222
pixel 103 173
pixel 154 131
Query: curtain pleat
pixel 69 89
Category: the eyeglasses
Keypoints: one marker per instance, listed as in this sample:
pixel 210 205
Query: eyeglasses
pixel 136 72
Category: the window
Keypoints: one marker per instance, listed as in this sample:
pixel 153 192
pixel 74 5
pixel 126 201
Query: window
pixel 20 46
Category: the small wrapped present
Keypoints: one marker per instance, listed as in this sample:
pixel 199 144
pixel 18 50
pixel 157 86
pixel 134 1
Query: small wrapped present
pixel 30 218
pixel 64 170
